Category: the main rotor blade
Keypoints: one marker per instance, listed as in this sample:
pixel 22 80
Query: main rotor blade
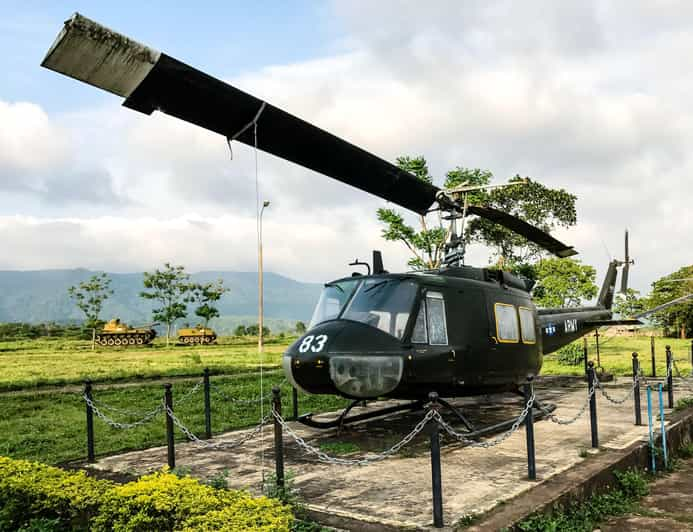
pixel 626 267
pixel 530 232
pixel 150 81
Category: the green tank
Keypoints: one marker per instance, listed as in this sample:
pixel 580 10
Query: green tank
pixel 196 335
pixel 116 333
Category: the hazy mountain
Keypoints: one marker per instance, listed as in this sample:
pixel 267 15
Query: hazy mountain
pixel 41 296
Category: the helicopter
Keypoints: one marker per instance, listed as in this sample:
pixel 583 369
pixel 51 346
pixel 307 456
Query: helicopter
pixel 457 330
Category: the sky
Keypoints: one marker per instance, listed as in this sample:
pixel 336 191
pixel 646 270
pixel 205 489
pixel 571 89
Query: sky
pixel 593 97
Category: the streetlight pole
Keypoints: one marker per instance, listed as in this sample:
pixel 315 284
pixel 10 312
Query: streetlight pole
pixel 260 287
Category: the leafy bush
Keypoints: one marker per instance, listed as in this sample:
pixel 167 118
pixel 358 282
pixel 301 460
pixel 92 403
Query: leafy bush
pixel 36 497
pixel 571 355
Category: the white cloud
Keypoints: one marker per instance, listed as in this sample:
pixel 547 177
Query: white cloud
pixel 591 97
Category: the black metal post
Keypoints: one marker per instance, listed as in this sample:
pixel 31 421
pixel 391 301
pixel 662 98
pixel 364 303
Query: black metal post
pixel 90 422
pixel 529 430
pixel 593 405
pixel 652 350
pixel 596 340
pixel 168 401
pixel 208 404
pixel 278 437
pixel 294 402
pixel 584 351
pixel 636 393
pixel 436 476
pixel 670 377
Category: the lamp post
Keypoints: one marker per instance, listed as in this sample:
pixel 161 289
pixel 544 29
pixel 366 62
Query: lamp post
pixel 259 273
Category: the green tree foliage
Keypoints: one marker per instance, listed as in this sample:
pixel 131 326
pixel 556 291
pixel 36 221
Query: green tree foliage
pixel 169 287
pixel 564 283
pixel 205 295
pixel 90 295
pixel 253 330
pixel 240 331
pixel 533 202
pixel 300 327
pixel 629 304
pixel 677 319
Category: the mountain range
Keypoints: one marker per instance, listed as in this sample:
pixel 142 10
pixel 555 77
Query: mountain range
pixel 41 296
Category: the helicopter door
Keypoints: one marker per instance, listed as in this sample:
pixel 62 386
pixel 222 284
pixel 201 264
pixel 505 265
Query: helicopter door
pixel 430 339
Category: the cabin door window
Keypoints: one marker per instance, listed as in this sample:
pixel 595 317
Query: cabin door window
pixel 527 325
pixel 507 327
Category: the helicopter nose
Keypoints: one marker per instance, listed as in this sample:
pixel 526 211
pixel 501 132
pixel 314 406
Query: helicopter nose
pixel 345 358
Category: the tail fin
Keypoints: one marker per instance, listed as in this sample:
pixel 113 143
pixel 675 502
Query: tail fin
pixel 606 294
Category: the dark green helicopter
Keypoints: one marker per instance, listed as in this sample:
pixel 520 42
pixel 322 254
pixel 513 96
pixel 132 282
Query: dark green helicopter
pixel 458 330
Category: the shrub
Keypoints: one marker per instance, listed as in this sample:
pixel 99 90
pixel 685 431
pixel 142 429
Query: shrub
pixel 571 355
pixel 37 497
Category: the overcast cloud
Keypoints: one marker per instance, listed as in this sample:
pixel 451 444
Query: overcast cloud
pixel 590 96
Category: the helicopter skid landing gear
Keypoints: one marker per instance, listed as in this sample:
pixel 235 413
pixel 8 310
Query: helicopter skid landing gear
pixel 307 419
pixel 467 424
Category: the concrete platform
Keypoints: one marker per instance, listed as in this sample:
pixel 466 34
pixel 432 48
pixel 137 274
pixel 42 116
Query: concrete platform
pixel 396 493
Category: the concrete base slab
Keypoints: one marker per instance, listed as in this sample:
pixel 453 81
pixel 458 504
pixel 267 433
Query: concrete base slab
pixel 396 493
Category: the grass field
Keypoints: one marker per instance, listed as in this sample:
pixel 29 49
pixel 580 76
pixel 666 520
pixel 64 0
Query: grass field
pixel 616 356
pixel 49 425
pixel 31 363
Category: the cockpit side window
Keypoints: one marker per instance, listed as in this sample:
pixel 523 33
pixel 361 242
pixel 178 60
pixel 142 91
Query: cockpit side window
pixel 431 326
pixel 437 327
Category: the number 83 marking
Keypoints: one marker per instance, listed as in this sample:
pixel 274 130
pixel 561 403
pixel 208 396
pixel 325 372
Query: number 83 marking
pixel 307 343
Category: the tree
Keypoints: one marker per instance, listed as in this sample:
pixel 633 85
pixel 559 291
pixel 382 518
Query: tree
pixel 629 304
pixel 90 295
pixel 677 319
pixel 204 295
pixel 564 283
pixel 533 202
pixel 169 287
pixel 240 331
pixel 300 327
pixel 253 330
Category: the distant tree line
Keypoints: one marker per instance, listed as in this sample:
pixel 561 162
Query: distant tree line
pixel 31 331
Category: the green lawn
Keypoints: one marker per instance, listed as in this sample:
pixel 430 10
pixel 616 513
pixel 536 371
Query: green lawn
pixel 616 356
pixel 50 427
pixel 30 363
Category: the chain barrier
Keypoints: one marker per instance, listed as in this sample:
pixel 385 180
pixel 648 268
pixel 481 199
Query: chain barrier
pixel 568 421
pixel 217 390
pixel 325 458
pixel 123 411
pixel 120 425
pixel 488 443
pixel 219 444
pixel 187 395
pixel 628 395
pixel 678 372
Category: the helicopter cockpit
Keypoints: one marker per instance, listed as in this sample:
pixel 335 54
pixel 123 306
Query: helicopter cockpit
pixel 381 302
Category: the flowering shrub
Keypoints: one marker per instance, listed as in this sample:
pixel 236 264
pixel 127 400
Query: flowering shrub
pixel 160 501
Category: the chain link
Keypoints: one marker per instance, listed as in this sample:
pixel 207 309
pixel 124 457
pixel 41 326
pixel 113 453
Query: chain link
pixel 324 457
pixel 487 443
pixel 219 444
pixel 187 395
pixel 119 425
pixel 568 421
pixel 624 398
pixel 678 372
pixel 122 411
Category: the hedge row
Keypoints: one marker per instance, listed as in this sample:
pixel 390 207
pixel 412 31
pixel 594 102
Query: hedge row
pixel 40 497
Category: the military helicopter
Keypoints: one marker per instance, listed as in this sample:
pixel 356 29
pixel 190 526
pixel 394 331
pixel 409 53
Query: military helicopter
pixel 457 330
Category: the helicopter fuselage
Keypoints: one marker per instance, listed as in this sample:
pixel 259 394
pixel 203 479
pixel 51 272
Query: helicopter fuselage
pixel 459 331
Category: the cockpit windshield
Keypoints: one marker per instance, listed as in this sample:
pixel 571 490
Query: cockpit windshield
pixel 332 300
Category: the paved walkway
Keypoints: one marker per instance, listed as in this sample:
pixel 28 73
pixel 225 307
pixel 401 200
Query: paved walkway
pixel 668 507
pixel 397 491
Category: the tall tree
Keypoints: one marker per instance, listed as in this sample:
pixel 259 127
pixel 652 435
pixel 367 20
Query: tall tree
pixel 204 295
pixel 90 295
pixel 629 304
pixel 564 283
pixel 677 319
pixel 170 288
pixel 537 204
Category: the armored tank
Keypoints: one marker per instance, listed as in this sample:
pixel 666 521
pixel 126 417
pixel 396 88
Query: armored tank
pixel 116 332
pixel 196 335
